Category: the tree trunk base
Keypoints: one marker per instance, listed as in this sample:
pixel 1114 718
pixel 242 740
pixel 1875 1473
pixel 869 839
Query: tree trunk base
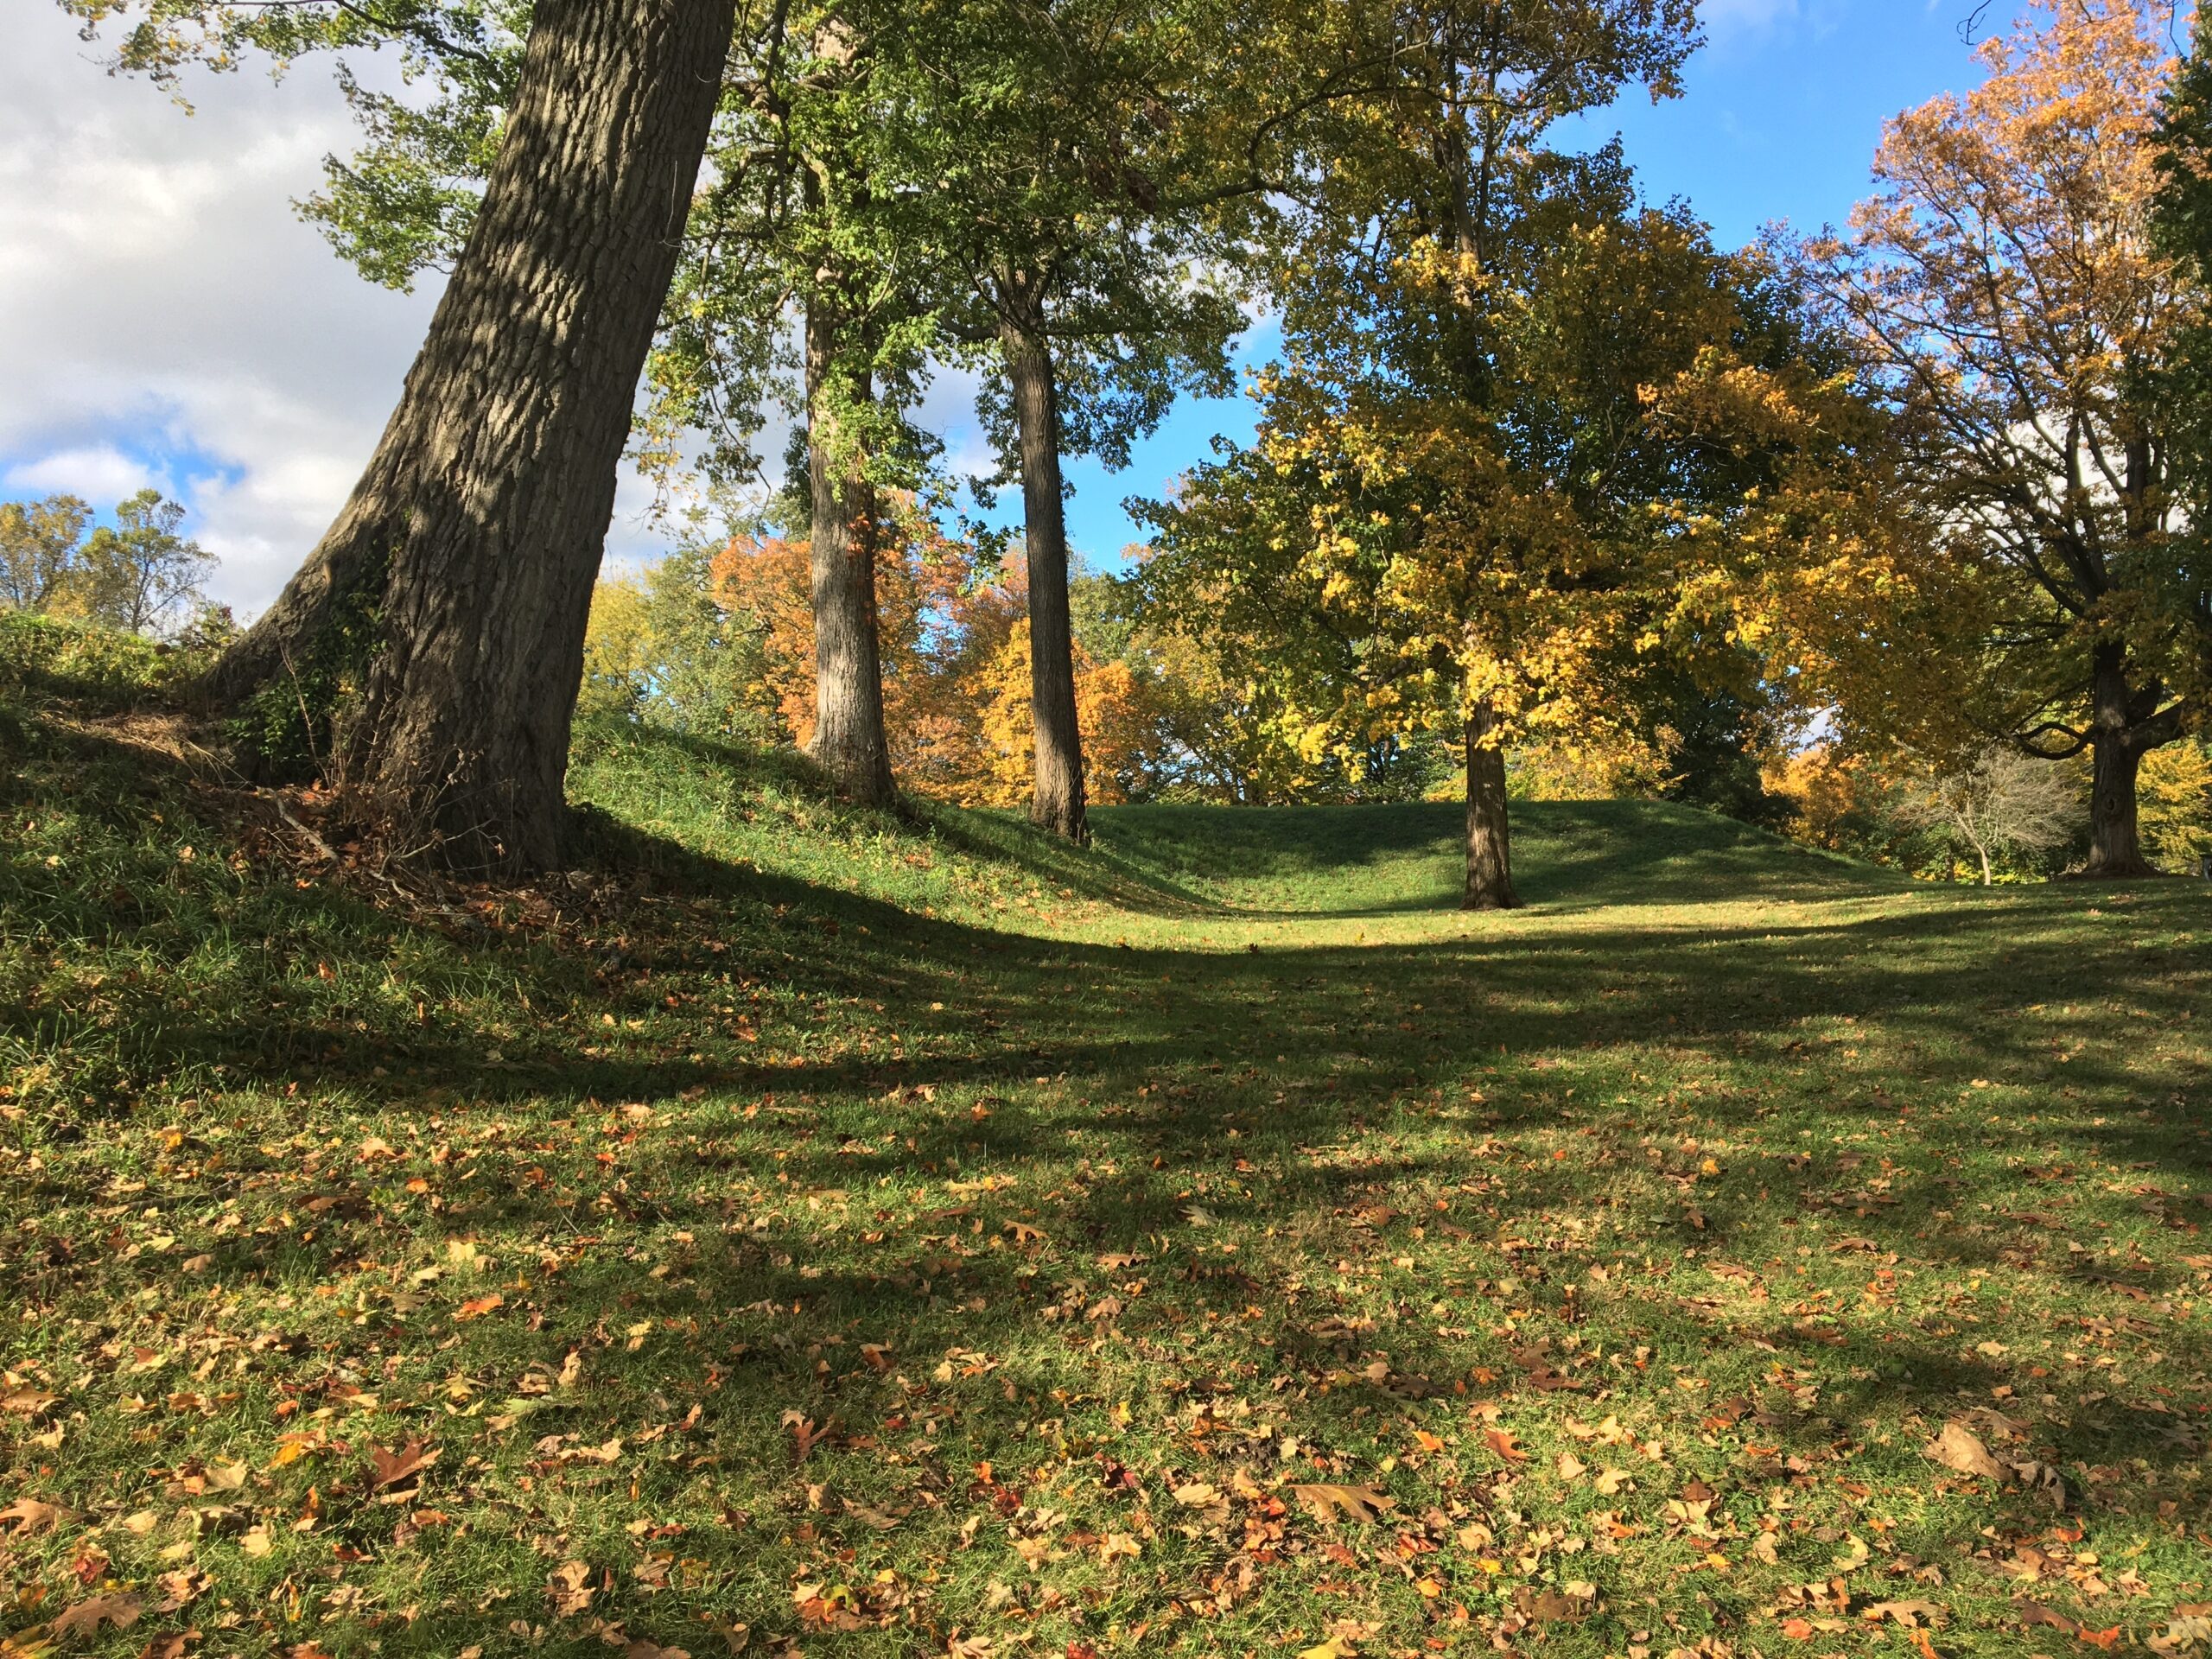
pixel 1065 819
pixel 2135 870
pixel 426 657
pixel 1489 842
pixel 1506 900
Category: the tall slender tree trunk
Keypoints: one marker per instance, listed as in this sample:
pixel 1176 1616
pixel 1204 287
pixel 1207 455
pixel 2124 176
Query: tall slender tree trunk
pixel 2116 748
pixel 1490 847
pixel 851 743
pixel 1057 804
pixel 458 576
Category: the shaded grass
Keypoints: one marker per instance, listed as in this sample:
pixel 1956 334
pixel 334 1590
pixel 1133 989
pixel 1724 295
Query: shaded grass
pixel 907 1233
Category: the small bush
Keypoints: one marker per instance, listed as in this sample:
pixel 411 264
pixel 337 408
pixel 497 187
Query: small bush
pixel 45 659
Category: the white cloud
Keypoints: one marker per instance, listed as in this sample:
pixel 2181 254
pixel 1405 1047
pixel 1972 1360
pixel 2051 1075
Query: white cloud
pixel 99 472
pixel 1751 23
pixel 1724 19
pixel 165 319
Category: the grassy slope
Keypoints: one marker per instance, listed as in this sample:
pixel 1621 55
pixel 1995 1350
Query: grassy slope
pixel 886 1236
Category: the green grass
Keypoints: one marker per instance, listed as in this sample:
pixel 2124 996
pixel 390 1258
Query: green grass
pixel 802 1227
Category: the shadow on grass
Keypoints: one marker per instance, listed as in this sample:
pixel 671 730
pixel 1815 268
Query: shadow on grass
pixel 1331 1106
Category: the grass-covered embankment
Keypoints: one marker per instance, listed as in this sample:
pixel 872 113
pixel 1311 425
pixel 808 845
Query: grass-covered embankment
pixel 889 1237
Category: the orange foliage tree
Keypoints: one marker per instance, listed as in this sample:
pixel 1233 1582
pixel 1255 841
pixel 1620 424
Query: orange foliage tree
pixel 953 632
pixel 2005 289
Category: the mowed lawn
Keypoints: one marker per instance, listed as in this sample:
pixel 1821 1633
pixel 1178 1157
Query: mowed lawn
pixel 797 1230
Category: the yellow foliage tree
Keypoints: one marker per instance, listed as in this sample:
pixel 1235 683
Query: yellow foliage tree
pixel 2175 803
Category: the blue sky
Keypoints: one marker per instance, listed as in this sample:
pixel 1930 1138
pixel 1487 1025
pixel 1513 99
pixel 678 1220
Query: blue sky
pixel 165 319
pixel 1779 115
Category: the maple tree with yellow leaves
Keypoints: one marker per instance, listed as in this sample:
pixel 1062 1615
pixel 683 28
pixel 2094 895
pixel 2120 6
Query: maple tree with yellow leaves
pixel 1665 476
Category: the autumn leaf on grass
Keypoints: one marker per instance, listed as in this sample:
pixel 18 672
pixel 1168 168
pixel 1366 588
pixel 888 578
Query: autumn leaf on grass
pixel 570 1589
pixel 87 1617
pixel 30 1514
pixel 394 1467
pixel 1577 1601
pixel 225 1477
pixel 1335 1648
pixel 881 1519
pixel 2034 1613
pixel 477 1307
pixel 806 1432
pixel 1327 1500
pixel 181 1588
pixel 1907 1613
pixel 1500 1441
pixel 2182 1633
pixel 28 1402
pixel 1958 1447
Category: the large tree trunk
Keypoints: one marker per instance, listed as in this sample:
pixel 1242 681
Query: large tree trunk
pixel 1057 804
pixel 2116 845
pixel 1490 849
pixel 458 576
pixel 849 741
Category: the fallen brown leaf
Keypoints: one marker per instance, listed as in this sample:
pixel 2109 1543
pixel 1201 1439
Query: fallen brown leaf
pixel 87 1617
pixel 1907 1613
pixel 1327 1500
pixel 1958 1447
pixel 393 1466
pixel 2034 1613
pixel 569 1588
pixel 32 1515
pixel 1550 1606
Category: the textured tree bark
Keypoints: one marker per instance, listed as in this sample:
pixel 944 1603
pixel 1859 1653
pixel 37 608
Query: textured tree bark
pixel 1057 803
pixel 2116 747
pixel 1490 850
pixel 464 558
pixel 849 743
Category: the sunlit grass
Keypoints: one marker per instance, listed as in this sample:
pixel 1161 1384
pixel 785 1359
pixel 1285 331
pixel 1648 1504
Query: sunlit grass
pixel 897 1235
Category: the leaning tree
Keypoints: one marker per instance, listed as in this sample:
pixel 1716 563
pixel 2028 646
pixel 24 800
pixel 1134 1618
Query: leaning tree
pixel 445 607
